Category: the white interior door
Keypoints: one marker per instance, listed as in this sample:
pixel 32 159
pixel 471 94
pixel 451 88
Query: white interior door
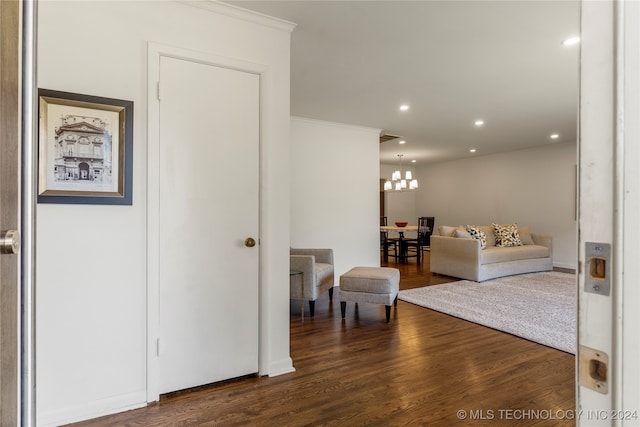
pixel 209 201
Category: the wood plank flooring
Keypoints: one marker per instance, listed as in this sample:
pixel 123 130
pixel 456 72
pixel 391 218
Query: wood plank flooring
pixel 421 369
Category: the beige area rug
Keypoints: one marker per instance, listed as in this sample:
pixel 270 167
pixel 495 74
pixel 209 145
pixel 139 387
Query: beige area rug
pixel 540 307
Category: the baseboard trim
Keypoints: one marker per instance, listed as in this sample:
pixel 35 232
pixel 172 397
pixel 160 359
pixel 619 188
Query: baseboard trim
pixel 90 410
pixel 564 269
pixel 281 367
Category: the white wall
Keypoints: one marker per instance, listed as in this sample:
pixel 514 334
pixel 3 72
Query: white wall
pixel 533 187
pixel 334 191
pixel 91 308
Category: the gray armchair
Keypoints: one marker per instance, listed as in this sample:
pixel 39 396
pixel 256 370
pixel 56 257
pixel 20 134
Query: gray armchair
pixel 316 266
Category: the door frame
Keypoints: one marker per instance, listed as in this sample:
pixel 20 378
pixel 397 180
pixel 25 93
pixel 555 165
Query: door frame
pixel 28 194
pixel 18 58
pixel 609 202
pixel 628 205
pixel 154 52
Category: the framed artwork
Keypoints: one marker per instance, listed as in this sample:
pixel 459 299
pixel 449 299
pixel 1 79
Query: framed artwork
pixel 85 149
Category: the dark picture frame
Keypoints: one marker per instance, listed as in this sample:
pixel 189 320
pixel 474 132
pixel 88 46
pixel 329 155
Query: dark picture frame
pixel 85 149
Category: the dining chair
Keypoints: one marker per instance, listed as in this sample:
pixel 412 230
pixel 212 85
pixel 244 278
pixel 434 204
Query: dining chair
pixel 430 223
pixel 416 247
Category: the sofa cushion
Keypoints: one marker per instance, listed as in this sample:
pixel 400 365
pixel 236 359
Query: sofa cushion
pixel 478 234
pixel 507 235
pixel 323 271
pixel 514 253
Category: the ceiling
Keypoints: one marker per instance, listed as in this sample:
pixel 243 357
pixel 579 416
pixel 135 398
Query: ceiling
pixel 452 62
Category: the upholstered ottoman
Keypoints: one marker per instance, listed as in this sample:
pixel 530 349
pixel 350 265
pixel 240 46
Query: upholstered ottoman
pixel 375 285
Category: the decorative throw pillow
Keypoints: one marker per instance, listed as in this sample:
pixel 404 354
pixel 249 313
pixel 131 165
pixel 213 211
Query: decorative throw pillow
pixel 507 235
pixel 525 235
pixel 478 234
pixel 464 234
pixel 446 230
pixel 489 232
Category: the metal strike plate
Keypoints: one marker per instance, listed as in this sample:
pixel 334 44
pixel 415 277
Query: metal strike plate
pixel 593 368
pixel 597 268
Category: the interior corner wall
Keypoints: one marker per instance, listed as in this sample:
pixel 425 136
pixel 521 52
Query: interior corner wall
pixel 335 191
pixel 91 295
pixel 535 187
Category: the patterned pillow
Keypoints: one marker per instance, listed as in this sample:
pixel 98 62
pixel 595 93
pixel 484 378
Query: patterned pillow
pixel 507 235
pixel 476 233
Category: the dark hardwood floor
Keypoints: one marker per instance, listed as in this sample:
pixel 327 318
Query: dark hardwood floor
pixel 420 369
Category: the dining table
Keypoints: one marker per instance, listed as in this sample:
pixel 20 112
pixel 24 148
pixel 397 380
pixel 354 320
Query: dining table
pixel 401 231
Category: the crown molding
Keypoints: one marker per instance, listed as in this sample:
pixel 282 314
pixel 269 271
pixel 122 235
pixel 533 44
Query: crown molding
pixel 242 14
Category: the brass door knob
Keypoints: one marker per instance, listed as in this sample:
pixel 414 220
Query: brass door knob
pixel 249 242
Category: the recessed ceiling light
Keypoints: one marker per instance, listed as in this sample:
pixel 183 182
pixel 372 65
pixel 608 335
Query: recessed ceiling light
pixel 554 136
pixel 402 141
pixel 404 107
pixel 478 122
pixel 473 150
pixel 413 161
pixel 571 41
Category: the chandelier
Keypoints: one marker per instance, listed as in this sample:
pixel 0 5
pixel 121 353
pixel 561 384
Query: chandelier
pixel 397 183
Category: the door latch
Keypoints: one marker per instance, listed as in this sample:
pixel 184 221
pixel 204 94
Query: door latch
pixel 597 268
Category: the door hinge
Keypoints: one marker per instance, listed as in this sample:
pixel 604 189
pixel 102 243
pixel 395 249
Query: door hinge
pixel 158 347
pixel 158 90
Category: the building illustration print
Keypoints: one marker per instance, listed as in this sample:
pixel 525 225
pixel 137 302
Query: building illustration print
pixel 83 150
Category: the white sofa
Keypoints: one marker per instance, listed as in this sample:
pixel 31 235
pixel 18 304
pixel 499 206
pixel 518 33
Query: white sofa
pixel 455 254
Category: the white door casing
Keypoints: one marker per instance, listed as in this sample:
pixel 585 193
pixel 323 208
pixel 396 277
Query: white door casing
pixel 596 216
pixel 629 207
pixel 203 204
